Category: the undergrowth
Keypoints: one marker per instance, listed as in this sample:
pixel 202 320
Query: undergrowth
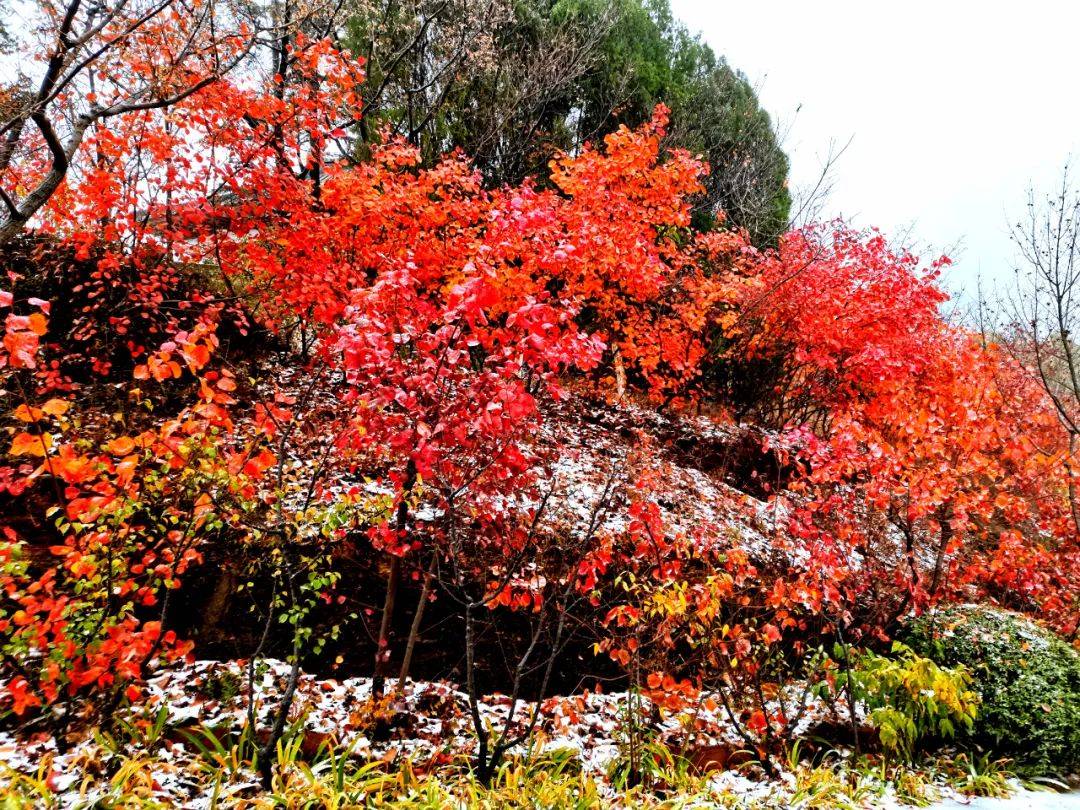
pixel 119 773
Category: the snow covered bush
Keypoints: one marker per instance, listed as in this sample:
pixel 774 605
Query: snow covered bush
pixel 1028 679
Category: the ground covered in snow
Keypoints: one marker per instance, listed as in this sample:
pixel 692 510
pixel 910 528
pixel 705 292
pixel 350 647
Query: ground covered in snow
pixel 194 713
pixel 1021 800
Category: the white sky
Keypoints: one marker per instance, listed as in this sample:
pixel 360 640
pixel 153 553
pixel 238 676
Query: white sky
pixel 953 107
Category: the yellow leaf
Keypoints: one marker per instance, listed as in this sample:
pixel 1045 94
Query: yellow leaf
pixel 56 406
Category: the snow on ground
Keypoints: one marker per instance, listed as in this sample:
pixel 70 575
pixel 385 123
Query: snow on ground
pixel 429 718
pixel 595 444
pixel 429 724
pixel 1021 800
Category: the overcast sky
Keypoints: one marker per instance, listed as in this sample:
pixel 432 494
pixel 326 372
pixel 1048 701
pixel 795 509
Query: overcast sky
pixel 952 107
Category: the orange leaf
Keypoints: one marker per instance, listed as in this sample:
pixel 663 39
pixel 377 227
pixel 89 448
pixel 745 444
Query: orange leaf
pixel 39 324
pixel 27 444
pixel 121 446
pixel 24 413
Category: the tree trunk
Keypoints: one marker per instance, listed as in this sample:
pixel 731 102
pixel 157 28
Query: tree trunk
pixel 393 582
pixel 418 617
pixel 217 605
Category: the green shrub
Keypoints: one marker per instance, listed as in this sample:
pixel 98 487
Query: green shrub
pixel 909 697
pixel 1027 677
pixel 905 697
